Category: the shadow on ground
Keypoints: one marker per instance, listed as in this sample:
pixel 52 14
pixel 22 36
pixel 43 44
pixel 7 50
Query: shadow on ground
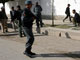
pixel 70 54
pixel 39 35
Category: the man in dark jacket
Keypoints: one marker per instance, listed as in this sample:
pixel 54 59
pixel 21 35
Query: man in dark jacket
pixel 13 17
pixel 27 22
pixel 37 10
pixel 67 12
pixel 4 20
pixel 76 18
pixel 19 13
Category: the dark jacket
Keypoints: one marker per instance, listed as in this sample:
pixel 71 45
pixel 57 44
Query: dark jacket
pixel 37 9
pixel 28 18
pixel 13 17
pixel 67 11
pixel 3 15
pixel 18 14
pixel 77 18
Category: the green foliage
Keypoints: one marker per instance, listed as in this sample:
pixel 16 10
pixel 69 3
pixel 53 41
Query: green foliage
pixel 64 26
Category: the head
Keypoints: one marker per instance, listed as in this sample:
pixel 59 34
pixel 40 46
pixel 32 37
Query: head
pixel 37 3
pixel 28 4
pixel 68 5
pixel 18 7
pixel 74 11
pixel 2 9
pixel 12 8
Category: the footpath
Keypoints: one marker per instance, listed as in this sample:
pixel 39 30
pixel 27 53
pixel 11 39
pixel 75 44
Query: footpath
pixel 62 29
pixel 48 47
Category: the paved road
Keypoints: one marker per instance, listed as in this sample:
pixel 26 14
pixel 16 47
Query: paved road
pixel 48 48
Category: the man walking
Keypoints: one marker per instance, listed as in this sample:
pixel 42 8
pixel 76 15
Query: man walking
pixel 67 12
pixel 13 17
pixel 27 22
pixel 37 10
pixel 4 20
pixel 19 13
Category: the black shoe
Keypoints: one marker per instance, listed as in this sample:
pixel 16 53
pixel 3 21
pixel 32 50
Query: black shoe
pixel 6 30
pixel 63 20
pixel 70 21
pixel 21 36
pixel 31 55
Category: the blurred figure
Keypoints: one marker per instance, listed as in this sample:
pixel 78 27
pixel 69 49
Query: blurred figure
pixel 76 18
pixel 4 20
pixel 19 13
pixel 67 12
pixel 37 10
pixel 27 22
pixel 13 17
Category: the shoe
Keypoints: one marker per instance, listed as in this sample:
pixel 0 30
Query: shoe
pixel 6 30
pixel 63 20
pixel 21 36
pixel 31 55
pixel 38 30
pixel 70 21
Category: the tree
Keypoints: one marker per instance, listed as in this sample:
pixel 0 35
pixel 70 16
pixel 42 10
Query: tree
pixel 3 1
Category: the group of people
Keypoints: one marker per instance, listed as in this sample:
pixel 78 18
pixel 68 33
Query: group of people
pixel 27 22
pixel 16 15
pixel 24 18
pixel 16 19
pixel 76 18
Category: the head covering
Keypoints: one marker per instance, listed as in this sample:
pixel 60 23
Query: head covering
pixel 28 2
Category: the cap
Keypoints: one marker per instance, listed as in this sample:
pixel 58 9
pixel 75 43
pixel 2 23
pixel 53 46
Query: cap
pixel 28 2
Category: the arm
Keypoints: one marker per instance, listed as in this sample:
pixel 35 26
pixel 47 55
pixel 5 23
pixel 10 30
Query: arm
pixel 41 8
pixel 11 14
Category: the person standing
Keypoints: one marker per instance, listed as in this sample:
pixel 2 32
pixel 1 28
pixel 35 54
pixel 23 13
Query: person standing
pixel 76 18
pixel 27 22
pixel 13 17
pixel 37 10
pixel 4 20
pixel 67 12
pixel 19 13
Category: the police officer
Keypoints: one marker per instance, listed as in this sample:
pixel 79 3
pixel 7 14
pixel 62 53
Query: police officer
pixel 13 17
pixel 27 22
pixel 37 10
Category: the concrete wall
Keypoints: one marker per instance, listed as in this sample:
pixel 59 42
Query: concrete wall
pixel 59 7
